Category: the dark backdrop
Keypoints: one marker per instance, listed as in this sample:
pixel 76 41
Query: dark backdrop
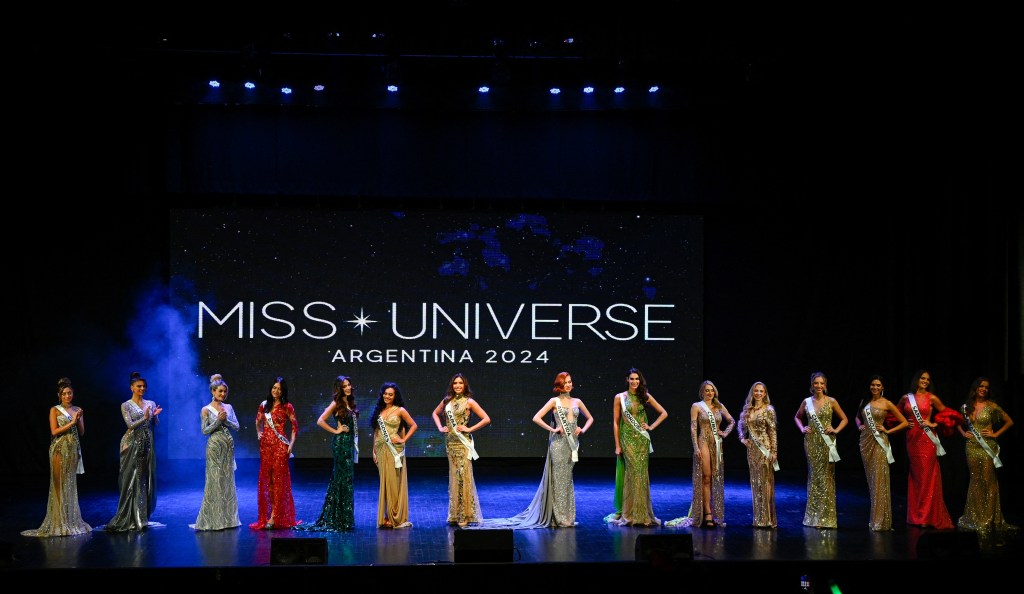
pixel 856 219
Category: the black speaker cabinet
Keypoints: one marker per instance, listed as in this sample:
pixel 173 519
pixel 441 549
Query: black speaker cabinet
pixel 948 546
pixel 298 551
pixel 483 546
pixel 664 548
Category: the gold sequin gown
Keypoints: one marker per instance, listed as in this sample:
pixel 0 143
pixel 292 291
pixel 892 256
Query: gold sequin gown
pixel 876 469
pixel 696 514
pixel 982 511
pixel 393 495
pixel 821 476
pixel 463 503
pixel 761 424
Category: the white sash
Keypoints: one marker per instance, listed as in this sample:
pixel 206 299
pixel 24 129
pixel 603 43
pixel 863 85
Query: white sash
pixel 81 465
pixel 833 453
pixel 468 442
pixel 634 423
pixel 573 444
pixel 764 450
pixel 714 430
pixel 927 430
pixel 981 440
pixel 270 423
pixel 387 441
pixel 869 420
pixel 355 437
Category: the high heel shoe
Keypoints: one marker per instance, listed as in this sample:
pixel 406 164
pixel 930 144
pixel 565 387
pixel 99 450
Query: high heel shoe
pixel 708 522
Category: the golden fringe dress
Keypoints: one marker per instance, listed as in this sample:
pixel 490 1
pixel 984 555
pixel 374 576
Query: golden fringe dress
pixel 982 511
pixel 637 508
pixel 761 424
pixel 876 468
pixel 821 475
pixel 463 503
pixel 63 515
pixel 696 514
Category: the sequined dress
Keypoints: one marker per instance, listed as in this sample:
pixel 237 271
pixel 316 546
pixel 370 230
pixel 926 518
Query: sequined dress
pixel 338 512
pixel 925 503
pixel 63 515
pixel 637 507
pixel 820 511
pixel 463 503
pixel 760 424
pixel 275 504
pixel 983 511
pixel 554 503
pixel 876 469
pixel 136 478
pixel 219 509
pixel 703 435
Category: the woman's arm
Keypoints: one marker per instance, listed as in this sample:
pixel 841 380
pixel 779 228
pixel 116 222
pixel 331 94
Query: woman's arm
pixel 322 421
pixel 662 413
pixel 727 416
pixel 478 411
pixel 436 415
pixel 843 421
pixel 408 432
pixel 590 418
pixel 539 417
pixel 616 418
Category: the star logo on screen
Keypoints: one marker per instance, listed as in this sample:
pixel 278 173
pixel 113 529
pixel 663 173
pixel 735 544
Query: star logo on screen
pixel 362 321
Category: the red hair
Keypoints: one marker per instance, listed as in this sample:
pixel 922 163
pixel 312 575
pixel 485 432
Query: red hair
pixel 560 382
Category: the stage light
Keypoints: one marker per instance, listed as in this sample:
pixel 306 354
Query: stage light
pixel 215 83
pixel 484 89
pixel 249 85
pixel 392 88
pixel 554 90
pixel 653 89
pixel 588 89
pixel 286 90
pixel 619 90
pixel 318 88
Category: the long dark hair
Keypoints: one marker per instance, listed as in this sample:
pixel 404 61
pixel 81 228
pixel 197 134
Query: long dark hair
pixel 451 391
pixel 284 392
pixel 398 401
pixel 344 405
pixel 641 389
pixel 972 395
pixel 860 406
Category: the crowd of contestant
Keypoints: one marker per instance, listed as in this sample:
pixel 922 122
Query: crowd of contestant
pixel 636 414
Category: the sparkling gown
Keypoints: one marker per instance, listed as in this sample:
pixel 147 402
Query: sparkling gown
pixel 463 503
pixel 63 516
pixel 876 468
pixel 393 495
pixel 821 476
pixel 635 494
pixel 705 436
pixel 219 509
pixel 760 423
pixel 137 475
pixel 554 503
pixel 983 511
pixel 925 503
pixel 276 506
pixel 338 512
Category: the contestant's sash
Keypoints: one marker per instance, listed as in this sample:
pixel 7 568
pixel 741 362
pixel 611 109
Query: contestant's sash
pixel 632 421
pixel 387 441
pixel 767 454
pixel 994 454
pixel 873 428
pixel 81 465
pixel 270 423
pixel 927 430
pixel 833 453
pixel 714 430
pixel 573 444
pixel 468 442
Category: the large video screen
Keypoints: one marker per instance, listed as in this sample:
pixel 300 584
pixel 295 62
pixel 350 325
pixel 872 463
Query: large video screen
pixel 509 299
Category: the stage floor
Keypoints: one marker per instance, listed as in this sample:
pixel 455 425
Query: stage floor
pixel 505 486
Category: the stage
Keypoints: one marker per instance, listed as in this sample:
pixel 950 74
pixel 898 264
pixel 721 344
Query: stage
pixel 735 555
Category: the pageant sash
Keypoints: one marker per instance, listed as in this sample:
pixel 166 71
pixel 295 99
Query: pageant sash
pixel 573 444
pixel 981 440
pixel 833 453
pixel 387 441
pixel 468 442
pixel 765 451
pixel 714 430
pixel 632 421
pixel 927 430
pixel 270 423
pixel 355 437
pixel 81 465
pixel 869 420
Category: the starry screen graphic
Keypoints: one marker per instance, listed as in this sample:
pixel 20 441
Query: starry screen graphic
pixel 509 299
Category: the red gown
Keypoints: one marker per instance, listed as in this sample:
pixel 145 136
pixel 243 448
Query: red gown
pixel 274 491
pixel 925 505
